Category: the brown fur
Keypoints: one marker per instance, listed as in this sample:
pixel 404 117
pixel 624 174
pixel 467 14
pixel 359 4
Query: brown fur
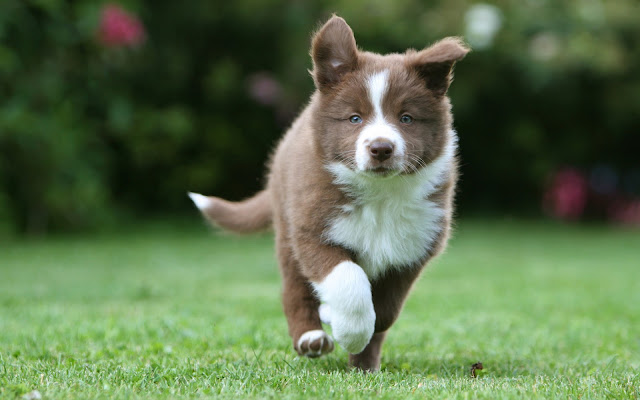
pixel 250 215
pixel 301 196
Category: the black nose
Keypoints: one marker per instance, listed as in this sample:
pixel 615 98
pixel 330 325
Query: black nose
pixel 381 150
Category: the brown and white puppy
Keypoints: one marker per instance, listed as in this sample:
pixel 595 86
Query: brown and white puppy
pixel 359 192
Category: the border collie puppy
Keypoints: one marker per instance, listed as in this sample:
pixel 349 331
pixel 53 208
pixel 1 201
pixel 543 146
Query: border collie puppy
pixel 359 191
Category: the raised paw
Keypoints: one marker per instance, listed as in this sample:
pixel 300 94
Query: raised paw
pixel 314 344
pixel 353 331
pixel 348 306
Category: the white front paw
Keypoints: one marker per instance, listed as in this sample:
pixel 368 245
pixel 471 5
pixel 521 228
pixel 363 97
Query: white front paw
pixel 353 330
pixel 348 306
pixel 314 344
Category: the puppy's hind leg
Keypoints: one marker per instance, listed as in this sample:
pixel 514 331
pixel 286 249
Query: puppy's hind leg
pixel 301 308
pixel 369 359
pixel 389 294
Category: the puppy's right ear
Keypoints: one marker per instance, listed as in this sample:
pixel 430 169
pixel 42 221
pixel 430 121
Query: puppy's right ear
pixel 435 64
pixel 334 53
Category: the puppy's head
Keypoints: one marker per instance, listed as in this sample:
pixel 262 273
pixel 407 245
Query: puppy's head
pixel 381 115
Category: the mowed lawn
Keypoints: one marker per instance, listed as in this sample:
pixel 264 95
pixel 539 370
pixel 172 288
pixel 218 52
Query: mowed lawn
pixel 164 311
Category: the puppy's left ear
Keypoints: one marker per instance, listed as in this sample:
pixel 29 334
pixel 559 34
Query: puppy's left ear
pixel 334 53
pixel 434 64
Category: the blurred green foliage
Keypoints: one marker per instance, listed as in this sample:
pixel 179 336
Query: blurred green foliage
pixel 89 133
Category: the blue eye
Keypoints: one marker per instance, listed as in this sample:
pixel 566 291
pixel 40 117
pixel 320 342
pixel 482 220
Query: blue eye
pixel 406 119
pixel 355 119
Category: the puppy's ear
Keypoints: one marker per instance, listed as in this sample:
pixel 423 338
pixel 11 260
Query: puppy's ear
pixel 334 53
pixel 434 64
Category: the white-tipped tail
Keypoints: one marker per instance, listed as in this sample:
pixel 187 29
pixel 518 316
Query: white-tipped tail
pixel 249 215
pixel 199 200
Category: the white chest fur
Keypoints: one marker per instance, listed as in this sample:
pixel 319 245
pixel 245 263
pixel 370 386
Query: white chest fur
pixel 390 223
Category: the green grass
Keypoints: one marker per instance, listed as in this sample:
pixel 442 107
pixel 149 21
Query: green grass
pixel 551 311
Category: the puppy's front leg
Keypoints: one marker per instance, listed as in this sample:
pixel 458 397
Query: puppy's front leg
pixel 347 293
pixel 339 282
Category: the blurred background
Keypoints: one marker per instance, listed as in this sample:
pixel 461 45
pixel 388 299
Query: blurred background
pixel 112 111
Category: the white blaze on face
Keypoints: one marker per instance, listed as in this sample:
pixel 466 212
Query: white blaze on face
pixel 378 128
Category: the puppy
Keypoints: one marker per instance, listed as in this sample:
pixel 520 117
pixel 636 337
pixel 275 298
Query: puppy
pixel 359 191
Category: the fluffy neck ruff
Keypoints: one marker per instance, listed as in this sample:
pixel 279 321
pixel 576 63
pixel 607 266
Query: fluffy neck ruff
pixel 390 222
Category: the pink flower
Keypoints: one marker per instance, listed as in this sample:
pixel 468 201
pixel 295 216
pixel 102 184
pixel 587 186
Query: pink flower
pixel 566 197
pixel 625 212
pixel 118 28
pixel 264 89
